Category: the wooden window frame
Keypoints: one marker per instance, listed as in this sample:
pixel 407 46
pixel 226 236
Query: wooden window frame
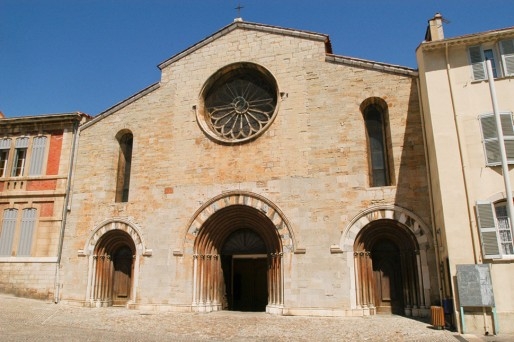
pixel 490 232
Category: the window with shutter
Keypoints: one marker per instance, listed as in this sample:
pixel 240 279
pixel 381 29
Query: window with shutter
pixel 504 231
pixel 476 57
pixel 28 222
pixel 490 138
pixel 5 146
pixel 507 51
pixel 495 230
pixel 487 229
pixel 20 154
pixel 7 234
pixel 38 155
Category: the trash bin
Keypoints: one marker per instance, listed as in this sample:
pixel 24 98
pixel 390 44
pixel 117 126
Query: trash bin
pixel 437 315
pixel 448 306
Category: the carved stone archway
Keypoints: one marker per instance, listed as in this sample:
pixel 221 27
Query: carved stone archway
pixel 370 232
pixel 210 229
pixel 113 249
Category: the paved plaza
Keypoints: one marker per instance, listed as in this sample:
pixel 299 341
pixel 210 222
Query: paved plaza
pixel 24 319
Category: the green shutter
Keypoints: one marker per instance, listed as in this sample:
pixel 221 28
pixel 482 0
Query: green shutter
pixel 507 50
pixel 487 229
pixel 476 58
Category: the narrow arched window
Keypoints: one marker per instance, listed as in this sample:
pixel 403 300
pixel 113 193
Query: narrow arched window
pixel 377 147
pixel 124 165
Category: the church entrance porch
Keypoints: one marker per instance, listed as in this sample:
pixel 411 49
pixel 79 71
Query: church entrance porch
pixel 113 251
pixel 113 263
pixel 386 263
pixel 237 262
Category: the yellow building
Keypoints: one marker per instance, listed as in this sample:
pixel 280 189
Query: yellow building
pixel 467 183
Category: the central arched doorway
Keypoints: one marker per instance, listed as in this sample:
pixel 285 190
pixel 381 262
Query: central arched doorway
pixel 237 261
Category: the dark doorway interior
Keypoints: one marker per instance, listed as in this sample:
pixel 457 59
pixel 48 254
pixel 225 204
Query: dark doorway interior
pixel 245 269
pixel 249 283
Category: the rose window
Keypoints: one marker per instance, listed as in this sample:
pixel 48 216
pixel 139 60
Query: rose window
pixel 240 104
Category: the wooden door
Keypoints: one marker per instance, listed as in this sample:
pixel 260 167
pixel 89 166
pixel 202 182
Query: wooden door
pixel 388 279
pixel 122 282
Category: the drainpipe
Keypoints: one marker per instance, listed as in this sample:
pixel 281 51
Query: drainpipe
pixel 65 212
pixel 464 162
pixel 463 159
pixel 501 142
pixel 430 196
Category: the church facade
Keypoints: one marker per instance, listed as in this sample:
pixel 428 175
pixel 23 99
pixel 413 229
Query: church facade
pixel 261 173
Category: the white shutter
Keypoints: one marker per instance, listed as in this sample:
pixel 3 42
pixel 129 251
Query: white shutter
pixel 490 138
pixel 22 142
pixel 28 222
pixel 487 229
pixel 507 51
pixel 38 155
pixel 5 144
pixel 7 235
pixel 476 57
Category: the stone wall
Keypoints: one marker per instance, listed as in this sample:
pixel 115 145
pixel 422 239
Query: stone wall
pixel 311 163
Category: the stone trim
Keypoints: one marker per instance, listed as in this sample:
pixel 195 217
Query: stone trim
pixel 121 105
pixel 366 64
pixel 283 226
pixel 35 260
pixel 395 213
pixel 124 224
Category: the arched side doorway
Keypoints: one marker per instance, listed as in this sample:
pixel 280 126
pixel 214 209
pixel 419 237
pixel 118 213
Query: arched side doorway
pixel 390 269
pixel 385 259
pixel 238 243
pixel 113 269
pixel 114 250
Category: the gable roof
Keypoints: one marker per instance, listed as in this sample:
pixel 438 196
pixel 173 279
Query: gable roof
pixel 238 24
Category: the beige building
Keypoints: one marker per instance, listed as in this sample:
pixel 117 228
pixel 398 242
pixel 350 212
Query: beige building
pixel 468 188
pixel 261 173
pixel 35 161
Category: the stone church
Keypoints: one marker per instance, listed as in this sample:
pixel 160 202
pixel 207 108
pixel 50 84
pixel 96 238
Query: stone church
pixel 261 173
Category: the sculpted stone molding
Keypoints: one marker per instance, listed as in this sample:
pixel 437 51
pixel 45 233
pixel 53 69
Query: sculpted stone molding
pixel 392 212
pixel 120 223
pixel 284 229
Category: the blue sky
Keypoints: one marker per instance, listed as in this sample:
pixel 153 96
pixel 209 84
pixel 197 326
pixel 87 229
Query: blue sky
pixel 61 56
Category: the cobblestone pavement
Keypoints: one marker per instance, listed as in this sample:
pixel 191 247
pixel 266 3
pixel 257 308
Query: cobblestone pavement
pixel 24 319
